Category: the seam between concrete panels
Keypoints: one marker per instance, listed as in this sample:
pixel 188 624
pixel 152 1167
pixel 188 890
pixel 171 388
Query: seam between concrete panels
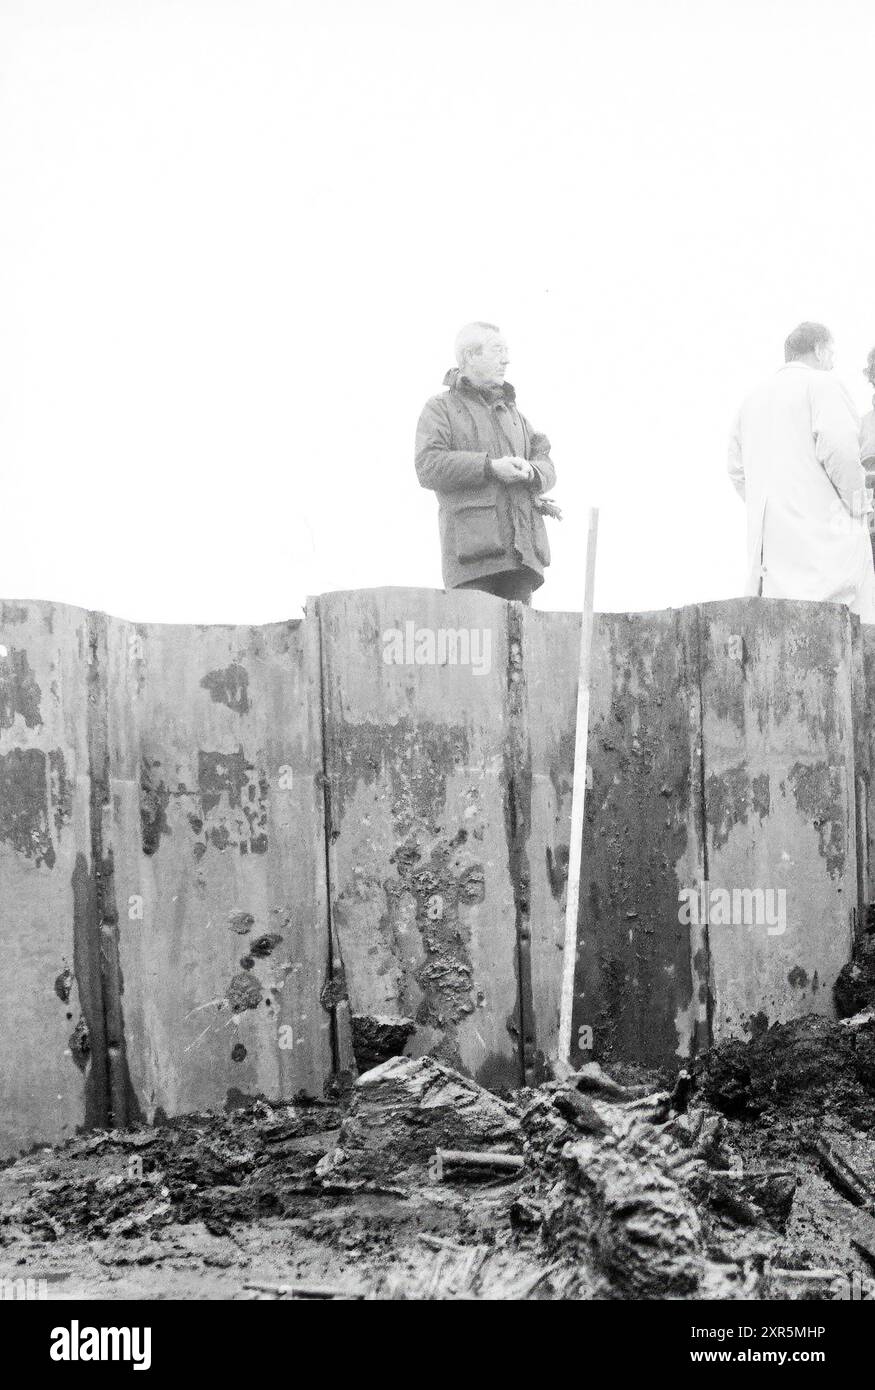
pixel 335 991
pixel 861 775
pixel 699 976
pixel 518 821
pixel 109 1093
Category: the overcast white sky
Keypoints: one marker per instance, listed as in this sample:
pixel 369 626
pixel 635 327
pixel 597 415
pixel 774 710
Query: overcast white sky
pixel 237 238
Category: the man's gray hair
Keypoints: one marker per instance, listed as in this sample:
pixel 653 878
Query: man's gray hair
pixel 804 339
pixel 470 338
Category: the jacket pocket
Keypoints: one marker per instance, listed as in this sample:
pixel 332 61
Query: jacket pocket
pixel 478 533
pixel 539 537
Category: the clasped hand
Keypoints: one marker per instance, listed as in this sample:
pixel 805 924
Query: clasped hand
pixel 513 470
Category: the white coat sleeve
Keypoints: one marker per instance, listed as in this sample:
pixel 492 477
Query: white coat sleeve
pixel 735 465
pixel 867 440
pixel 836 429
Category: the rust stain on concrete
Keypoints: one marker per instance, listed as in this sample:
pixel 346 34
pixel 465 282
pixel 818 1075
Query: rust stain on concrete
pixel 228 809
pixel 12 613
pixel 25 817
pixel 19 692
pixel 821 799
pixel 229 687
pixel 264 946
pixel 35 793
pixel 243 992
pixel 363 752
pixel 726 686
pixel 433 872
pixel 241 922
pixel 731 797
pixel 233 796
pixel 64 985
pixel 60 790
pixel 154 800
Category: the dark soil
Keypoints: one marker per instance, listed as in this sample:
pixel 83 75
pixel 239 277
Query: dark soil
pixel 626 1191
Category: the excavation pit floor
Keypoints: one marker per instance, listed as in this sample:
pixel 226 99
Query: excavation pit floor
pixel 713 1185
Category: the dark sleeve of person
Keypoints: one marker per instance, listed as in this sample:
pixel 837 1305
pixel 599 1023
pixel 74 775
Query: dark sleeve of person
pixel 438 465
pixel 539 458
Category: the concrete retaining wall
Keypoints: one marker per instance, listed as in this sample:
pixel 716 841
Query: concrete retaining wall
pixel 418 759
pixel 779 794
pixel 218 845
pixel 163 908
pixel 48 959
pixel 639 966
pixel 218 832
pixel 722 758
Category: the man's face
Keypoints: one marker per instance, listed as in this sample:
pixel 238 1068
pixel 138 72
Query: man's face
pixel 826 355
pixel 490 363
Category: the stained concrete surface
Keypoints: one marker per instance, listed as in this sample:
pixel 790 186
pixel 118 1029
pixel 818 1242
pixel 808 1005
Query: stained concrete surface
pixel 230 841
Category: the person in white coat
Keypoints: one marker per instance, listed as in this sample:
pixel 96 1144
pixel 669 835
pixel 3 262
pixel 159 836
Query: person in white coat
pixel 794 456
pixel 867 434
pixel 867 443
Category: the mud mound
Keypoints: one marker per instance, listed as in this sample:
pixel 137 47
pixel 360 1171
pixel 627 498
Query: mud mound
pixel 652 1199
pixel 854 990
pixel 594 1187
pixel 804 1069
pixel 376 1038
pixel 262 1159
pixel 640 1226
pixel 211 1167
pixel 405 1109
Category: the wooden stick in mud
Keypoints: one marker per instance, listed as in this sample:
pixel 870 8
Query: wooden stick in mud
pixel 843 1175
pixel 329 1291
pixel 578 794
pixel 462 1160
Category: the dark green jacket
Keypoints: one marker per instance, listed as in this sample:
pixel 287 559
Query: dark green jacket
pixel 486 526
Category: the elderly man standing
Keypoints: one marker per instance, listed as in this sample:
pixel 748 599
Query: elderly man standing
pixel 488 467
pixel 794 457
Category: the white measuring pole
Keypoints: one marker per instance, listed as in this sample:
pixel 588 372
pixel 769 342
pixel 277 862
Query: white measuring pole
pixel 578 794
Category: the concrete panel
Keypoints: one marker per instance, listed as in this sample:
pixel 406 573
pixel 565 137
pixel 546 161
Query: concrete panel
pixel 864 760
pixel 52 1076
pixel 423 847
pixel 217 836
pixel 640 971
pixel 778 739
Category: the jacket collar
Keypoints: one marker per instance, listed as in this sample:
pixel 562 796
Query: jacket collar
pixel 456 381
